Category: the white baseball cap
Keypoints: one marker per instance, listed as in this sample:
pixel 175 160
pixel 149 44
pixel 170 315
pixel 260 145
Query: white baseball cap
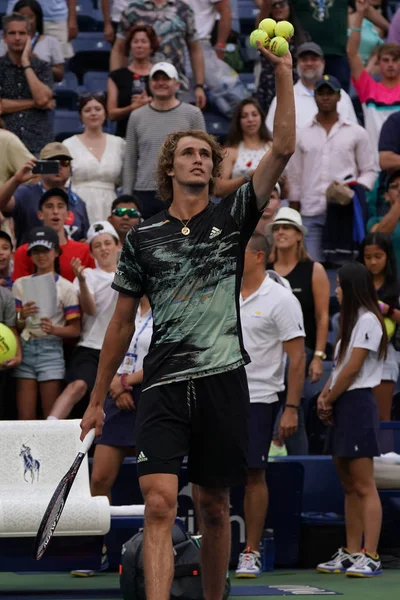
pixel 101 227
pixel 165 67
pixel 287 216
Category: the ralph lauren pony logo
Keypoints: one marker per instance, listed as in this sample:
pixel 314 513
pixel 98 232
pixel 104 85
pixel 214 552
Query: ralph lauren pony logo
pixel 31 465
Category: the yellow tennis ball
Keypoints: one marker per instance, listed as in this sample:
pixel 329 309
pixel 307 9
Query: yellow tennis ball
pixel 390 326
pixel 258 36
pixel 279 46
pixel 8 343
pixel 284 29
pixel 268 25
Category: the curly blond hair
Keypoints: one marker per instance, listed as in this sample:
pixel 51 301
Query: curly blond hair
pixel 166 160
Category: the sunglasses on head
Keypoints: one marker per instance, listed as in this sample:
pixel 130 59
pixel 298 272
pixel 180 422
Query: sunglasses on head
pixel 64 162
pixel 131 212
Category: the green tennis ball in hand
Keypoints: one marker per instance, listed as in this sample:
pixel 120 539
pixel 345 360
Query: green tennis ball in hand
pixel 279 46
pixel 268 25
pixel 258 36
pixel 284 29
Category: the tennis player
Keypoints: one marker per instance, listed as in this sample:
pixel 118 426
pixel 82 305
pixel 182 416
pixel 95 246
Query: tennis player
pixel 188 260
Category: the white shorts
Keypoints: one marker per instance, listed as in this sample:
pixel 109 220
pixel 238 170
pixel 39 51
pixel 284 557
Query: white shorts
pixel 59 30
pixel 391 365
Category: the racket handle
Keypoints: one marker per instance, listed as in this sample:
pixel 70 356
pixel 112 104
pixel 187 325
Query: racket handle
pixel 88 441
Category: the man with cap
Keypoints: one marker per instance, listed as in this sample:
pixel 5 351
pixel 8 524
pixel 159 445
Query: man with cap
pixel 97 301
pixel 310 68
pixel 53 212
pixel 328 149
pixel 20 200
pixel 148 127
pixel 390 223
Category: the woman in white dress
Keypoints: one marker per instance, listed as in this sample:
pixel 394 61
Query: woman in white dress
pixel 97 159
pixel 248 140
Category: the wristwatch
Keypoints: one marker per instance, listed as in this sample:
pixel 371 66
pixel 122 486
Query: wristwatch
pixel 320 354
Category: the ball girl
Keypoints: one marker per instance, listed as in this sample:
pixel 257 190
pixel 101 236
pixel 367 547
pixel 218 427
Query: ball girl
pixel 42 348
pixel 348 405
pixel 377 254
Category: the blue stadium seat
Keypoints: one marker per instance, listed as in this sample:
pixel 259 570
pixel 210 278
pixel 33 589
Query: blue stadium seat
pixel 248 81
pixel 84 7
pixel 89 41
pixel 66 124
pixel 67 91
pixel 3 7
pixel 217 125
pixel 95 81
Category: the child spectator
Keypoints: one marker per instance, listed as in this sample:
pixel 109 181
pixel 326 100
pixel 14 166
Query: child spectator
pixel 53 211
pixel 43 359
pixel 97 301
pixel 125 214
pixel 6 248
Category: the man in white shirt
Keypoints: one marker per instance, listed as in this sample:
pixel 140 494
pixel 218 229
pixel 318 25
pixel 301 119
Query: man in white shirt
pixel 272 325
pixel 310 68
pixel 97 301
pixel 328 149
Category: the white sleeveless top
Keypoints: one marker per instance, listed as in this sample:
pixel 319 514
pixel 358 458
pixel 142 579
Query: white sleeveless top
pixel 247 159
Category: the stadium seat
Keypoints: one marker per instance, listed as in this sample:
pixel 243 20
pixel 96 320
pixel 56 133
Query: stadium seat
pixel 89 61
pixel 95 81
pixel 66 92
pixel 84 7
pixel 247 12
pixel 3 7
pixel 248 81
pixel 217 125
pixel 66 124
pixel 90 41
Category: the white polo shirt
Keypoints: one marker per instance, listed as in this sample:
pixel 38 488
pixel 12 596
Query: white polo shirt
pixel 367 334
pixel 270 316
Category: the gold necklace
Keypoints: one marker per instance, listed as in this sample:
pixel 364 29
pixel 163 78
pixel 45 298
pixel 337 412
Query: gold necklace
pixel 185 229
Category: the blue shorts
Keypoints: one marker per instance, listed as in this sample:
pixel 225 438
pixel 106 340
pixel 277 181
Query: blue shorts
pixel 119 425
pixel 262 419
pixel 42 359
pixel 355 430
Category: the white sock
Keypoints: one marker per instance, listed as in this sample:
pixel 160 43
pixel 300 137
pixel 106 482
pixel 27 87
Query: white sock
pixel 51 418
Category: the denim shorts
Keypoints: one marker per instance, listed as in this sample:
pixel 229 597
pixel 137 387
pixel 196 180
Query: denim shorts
pixel 42 359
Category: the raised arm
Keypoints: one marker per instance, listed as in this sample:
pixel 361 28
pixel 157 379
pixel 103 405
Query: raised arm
pixel 23 175
pixel 265 10
pixel 284 135
pixel 224 26
pixel 353 43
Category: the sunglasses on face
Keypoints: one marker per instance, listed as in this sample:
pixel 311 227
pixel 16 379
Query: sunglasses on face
pixel 280 4
pixel 394 186
pixel 64 162
pixel 132 213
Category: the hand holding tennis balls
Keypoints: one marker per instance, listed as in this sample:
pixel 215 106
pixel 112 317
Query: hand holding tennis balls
pixel 273 35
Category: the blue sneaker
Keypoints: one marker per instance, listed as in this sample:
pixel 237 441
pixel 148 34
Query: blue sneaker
pixel 365 566
pixel 340 562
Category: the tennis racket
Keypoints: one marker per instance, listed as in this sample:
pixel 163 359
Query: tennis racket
pixel 56 505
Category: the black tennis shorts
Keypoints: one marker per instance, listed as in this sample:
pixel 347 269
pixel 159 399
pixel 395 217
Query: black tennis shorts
pixel 205 419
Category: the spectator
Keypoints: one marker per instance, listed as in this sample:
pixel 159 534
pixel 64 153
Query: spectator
pixel 394 29
pixel 98 158
pixel 279 10
pixel 327 149
pixel 97 301
pixel 147 129
pixel 173 22
pixel 390 222
pixel 42 350
pixel 128 87
pixel 45 47
pixel 53 212
pixel 389 144
pixel 112 10
pixel 59 21
pixel 310 285
pixel 118 434
pixel 13 154
pixel 125 214
pixel 310 68
pixel 277 330
pixel 378 99
pixel 377 254
pixel 371 38
pixel 6 248
pixel 269 213
pixel 25 87
pixel 248 140
pixel 22 203
pixel 8 318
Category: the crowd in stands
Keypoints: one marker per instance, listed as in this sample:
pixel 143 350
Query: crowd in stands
pixel 89 90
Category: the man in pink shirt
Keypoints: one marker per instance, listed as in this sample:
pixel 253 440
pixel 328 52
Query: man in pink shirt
pixel 378 99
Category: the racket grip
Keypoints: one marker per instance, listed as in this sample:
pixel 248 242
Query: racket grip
pixel 88 441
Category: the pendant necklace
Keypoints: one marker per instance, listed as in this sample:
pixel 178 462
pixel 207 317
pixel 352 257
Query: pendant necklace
pixel 185 229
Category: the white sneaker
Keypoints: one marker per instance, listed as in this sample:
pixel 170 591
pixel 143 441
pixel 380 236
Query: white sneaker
pixel 249 564
pixel 365 566
pixel 340 562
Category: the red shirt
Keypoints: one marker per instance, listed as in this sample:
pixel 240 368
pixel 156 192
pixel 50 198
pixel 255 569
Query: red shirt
pixel 23 264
